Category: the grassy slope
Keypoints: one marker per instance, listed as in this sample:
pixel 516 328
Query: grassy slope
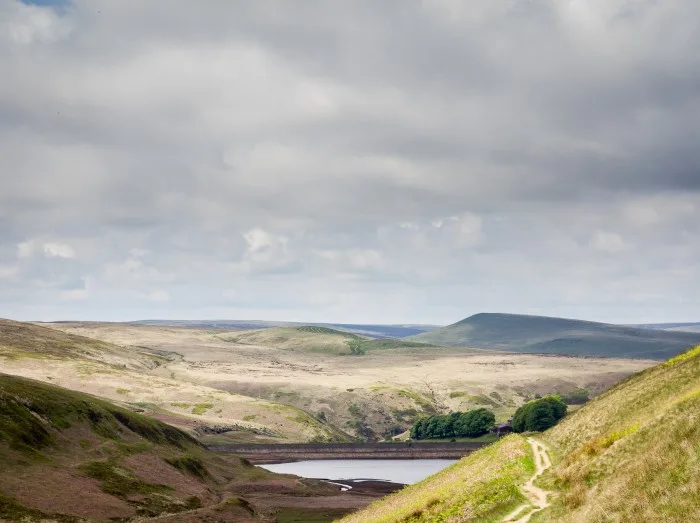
pixel 68 456
pixel 122 374
pixel 25 340
pixel 305 339
pixel 631 454
pixel 480 487
pixel 536 334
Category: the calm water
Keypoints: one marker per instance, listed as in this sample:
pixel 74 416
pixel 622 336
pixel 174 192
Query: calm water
pixel 406 471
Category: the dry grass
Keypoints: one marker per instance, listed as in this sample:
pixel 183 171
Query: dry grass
pixel 633 454
pixel 480 487
pixel 278 366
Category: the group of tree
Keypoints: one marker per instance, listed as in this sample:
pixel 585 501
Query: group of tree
pixel 539 414
pixel 457 424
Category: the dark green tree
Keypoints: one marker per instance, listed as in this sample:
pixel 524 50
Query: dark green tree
pixel 539 414
pixel 474 423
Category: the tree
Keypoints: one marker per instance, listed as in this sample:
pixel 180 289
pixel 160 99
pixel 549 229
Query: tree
pixel 470 424
pixel 474 423
pixel 540 414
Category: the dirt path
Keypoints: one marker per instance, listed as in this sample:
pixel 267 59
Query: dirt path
pixel 536 495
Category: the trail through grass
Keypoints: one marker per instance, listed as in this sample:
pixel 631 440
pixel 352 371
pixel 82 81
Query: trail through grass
pixel 536 495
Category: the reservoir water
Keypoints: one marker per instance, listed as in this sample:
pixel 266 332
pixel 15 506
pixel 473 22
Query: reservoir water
pixel 407 471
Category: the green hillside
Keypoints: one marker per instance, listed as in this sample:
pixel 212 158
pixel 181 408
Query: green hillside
pixel 303 339
pixel 631 454
pixel 544 335
pixel 70 457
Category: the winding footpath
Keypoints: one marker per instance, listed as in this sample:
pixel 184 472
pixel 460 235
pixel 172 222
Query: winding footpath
pixel 536 495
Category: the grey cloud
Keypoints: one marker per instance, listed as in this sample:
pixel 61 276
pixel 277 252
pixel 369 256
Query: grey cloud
pixel 566 131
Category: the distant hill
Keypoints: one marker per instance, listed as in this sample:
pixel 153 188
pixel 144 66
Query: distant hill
pixel 680 327
pixel 370 331
pixel 308 338
pixel 629 454
pixel 544 335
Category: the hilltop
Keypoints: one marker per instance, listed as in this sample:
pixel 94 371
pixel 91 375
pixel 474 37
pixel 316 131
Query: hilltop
pixel 306 338
pixel 631 454
pixel 545 335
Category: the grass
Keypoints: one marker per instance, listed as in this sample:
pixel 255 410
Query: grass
pixel 308 515
pixel 486 438
pixel 201 408
pixel 32 413
pixel 632 453
pixel 119 481
pixel 190 465
pixel 480 487
pixel 12 510
pixel 310 339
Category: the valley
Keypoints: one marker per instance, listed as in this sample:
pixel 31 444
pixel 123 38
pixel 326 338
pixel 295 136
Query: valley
pixel 290 385
pixel 156 421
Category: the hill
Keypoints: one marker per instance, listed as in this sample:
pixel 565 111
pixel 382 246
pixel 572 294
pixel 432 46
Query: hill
pixel 681 327
pixel 71 457
pixel 544 335
pixel 631 454
pixel 137 374
pixel 368 330
pixel 307 338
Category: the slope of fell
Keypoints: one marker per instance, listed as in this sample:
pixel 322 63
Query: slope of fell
pixel 127 370
pixel 68 456
pixel 71 457
pixel 20 340
pixel 539 334
pixel 307 338
pixel 631 454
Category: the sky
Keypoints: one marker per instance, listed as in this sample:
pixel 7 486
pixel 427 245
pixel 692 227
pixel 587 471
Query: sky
pixel 403 161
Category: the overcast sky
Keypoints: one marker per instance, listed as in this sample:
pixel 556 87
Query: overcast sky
pixel 402 161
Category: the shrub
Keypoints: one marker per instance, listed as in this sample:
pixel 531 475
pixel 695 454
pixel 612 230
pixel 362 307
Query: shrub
pixel 457 424
pixel 576 397
pixel 539 414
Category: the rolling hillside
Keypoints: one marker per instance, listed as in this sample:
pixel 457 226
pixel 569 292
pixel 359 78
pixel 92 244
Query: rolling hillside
pixel 71 457
pixel 543 335
pixel 138 375
pixel 369 330
pixel 305 339
pixel 631 454
pixel 679 327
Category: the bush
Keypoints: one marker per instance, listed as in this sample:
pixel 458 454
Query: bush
pixel 457 424
pixel 538 415
pixel 576 397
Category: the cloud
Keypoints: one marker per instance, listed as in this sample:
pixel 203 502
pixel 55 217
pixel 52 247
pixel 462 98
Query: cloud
pixel 58 250
pixel 430 158
pixel 608 242
pixel 156 295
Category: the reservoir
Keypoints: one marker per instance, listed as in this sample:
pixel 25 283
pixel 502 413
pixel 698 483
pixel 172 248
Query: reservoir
pixel 406 471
